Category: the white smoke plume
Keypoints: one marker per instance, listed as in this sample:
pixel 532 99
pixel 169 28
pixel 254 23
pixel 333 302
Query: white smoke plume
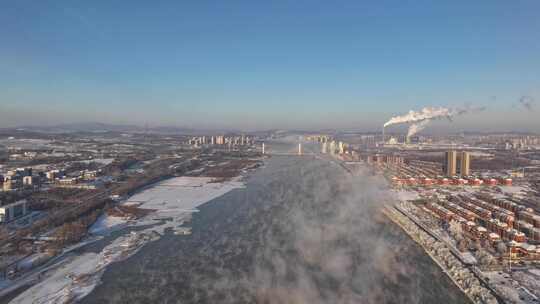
pixel 420 119
pixel 427 113
pixel 417 127
pixel 527 102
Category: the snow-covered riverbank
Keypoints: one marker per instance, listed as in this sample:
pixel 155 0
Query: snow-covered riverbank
pixel 172 202
pixel 439 252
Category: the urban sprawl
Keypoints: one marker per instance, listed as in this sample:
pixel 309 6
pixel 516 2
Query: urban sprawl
pixel 472 201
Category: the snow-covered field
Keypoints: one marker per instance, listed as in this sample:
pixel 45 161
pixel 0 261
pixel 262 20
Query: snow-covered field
pixel 106 224
pixel 102 161
pixel 509 288
pixel 25 143
pixel 513 189
pixel 173 201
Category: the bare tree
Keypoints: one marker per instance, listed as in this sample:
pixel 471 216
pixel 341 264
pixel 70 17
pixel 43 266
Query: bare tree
pixel 456 231
pixel 501 248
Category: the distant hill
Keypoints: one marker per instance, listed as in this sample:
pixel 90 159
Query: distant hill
pixel 82 127
pixel 98 127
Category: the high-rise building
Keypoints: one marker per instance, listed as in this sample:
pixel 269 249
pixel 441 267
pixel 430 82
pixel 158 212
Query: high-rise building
pixel 28 180
pixel 324 147
pixel 13 211
pixel 332 147
pixel 8 185
pixel 24 171
pixel 464 168
pixel 450 163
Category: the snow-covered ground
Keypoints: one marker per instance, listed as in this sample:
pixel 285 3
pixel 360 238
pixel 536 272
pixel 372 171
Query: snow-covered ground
pixel 33 260
pixel 103 161
pixel 481 154
pixel 530 279
pixel 25 143
pixel 513 189
pixel 75 277
pixel 509 288
pixel 173 201
pixel 106 224
pixel 406 195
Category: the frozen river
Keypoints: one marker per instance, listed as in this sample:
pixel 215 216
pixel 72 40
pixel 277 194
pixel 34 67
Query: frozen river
pixel 298 230
pixel 302 230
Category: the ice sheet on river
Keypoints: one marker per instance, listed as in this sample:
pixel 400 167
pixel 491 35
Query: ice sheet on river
pixel 175 199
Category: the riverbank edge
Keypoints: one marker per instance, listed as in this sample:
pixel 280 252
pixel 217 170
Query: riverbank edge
pixel 402 221
pixel 34 278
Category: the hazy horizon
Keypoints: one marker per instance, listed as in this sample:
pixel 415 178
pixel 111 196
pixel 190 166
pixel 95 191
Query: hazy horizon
pixel 257 66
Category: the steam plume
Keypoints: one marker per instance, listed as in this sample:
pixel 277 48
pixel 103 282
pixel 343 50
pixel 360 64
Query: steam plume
pixel 427 113
pixel 417 127
pixel 420 119
pixel 527 102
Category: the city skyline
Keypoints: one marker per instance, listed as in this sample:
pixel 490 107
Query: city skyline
pixel 257 66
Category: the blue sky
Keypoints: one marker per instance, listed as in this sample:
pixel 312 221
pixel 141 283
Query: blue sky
pixel 267 64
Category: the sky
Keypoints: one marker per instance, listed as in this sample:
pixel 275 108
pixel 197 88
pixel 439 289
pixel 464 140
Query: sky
pixel 257 65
